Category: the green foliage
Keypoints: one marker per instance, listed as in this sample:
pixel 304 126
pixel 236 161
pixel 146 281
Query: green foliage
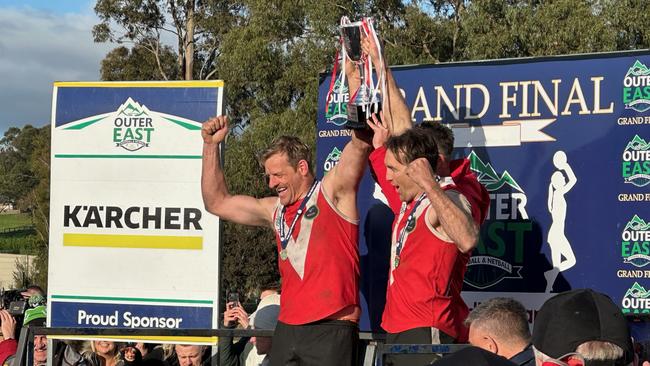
pixel 25 181
pixel 271 55
pixel 139 63
pixel 22 242
pixel 25 273
pixel 14 220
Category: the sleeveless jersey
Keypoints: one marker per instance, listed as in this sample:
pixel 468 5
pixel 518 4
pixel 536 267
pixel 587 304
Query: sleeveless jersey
pixel 424 289
pixel 321 273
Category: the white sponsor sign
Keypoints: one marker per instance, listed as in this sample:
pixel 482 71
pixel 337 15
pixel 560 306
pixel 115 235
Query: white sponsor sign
pixel 131 245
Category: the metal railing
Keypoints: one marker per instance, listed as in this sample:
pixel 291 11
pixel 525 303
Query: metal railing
pixel 374 348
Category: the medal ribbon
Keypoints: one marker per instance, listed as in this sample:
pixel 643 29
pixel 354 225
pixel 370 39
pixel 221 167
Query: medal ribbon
pixel 286 236
pixel 411 216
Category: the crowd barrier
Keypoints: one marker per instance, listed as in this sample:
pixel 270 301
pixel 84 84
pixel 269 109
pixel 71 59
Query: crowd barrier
pixel 374 349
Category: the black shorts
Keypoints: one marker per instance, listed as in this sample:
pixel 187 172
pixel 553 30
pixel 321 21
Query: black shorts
pixel 323 343
pixel 424 335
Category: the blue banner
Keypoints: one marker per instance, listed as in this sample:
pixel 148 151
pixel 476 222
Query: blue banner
pixel 111 315
pixel 563 146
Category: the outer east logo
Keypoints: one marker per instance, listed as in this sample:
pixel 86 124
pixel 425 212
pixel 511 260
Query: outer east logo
pixel 337 105
pixel 635 242
pixel 636 300
pixel 636 88
pixel 499 254
pixel 635 167
pixel 332 159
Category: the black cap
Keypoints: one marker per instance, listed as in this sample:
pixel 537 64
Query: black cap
pixel 571 318
pixel 473 356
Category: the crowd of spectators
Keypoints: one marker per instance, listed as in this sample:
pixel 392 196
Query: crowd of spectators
pixel 574 328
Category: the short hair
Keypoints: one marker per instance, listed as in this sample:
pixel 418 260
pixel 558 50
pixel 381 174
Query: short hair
pixel 413 144
pixel 36 288
pixel 504 318
pixel 600 351
pixel 443 135
pixel 271 286
pixel 295 150
pixel 201 347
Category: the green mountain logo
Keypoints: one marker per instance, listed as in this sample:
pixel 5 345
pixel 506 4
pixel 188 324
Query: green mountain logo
pixel 332 159
pixel 638 69
pixel 638 292
pixel 337 105
pixel 131 109
pixel 637 144
pixel 489 177
pixel 637 224
pixel 634 94
pixel 334 155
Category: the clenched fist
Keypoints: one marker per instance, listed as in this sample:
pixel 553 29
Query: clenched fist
pixel 421 172
pixel 214 130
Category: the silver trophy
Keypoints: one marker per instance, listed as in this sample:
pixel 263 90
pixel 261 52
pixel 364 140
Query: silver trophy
pixel 365 101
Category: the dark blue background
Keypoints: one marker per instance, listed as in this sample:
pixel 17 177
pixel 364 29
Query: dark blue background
pixel 82 102
pixel 593 143
pixel 64 314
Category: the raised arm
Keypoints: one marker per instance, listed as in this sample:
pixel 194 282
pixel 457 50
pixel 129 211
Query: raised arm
pixel 377 164
pixel 396 112
pixel 571 177
pixel 342 182
pixel 451 215
pixel 216 198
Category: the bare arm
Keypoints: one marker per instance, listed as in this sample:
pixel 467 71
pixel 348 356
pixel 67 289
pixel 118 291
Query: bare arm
pixel 216 198
pixel 342 182
pixel 455 222
pixel 396 112
pixel 550 197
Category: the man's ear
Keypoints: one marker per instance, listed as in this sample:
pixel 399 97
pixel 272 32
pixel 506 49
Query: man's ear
pixel 303 167
pixel 491 344
pixel 442 167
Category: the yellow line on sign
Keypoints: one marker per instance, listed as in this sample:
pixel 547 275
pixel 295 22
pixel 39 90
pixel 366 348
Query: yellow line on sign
pixel 141 84
pixel 162 339
pixel 133 241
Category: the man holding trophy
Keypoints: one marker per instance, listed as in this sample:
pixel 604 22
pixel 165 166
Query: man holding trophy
pixel 316 229
pixel 439 206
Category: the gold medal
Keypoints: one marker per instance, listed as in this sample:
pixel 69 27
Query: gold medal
pixel 396 261
pixel 283 254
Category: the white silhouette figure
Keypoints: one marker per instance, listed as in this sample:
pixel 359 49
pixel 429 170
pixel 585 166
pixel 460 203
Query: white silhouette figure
pixel 557 240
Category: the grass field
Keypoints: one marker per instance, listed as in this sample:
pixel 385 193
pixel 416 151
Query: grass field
pixel 14 220
pixel 22 242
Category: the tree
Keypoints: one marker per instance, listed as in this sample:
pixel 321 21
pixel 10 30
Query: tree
pixel 16 178
pixel 272 54
pixel 144 22
pixel 138 63
pixel 25 177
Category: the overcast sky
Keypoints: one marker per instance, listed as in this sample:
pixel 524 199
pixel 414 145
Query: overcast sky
pixel 42 41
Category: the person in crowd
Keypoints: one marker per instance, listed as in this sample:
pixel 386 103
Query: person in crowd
pixel 266 318
pixel 66 354
pixel 131 355
pixel 582 328
pixel 500 325
pixel 32 290
pixel 473 356
pixel 244 352
pixel 189 355
pixel 103 353
pixel 34 317
pixel 152 353
pixel 316 226
pixel 439 206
